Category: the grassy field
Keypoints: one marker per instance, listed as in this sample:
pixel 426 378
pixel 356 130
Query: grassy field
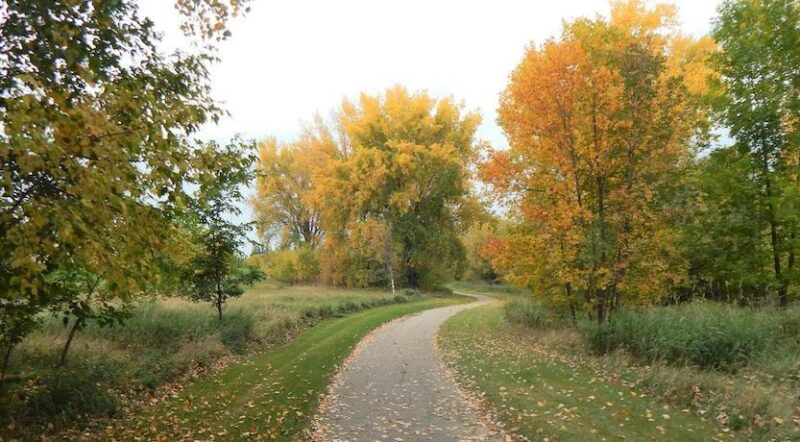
pixel 500 291
pixel 270 396
pixel 543 394
pixel 166 341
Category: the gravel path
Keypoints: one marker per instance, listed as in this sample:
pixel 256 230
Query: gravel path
pixel 395 388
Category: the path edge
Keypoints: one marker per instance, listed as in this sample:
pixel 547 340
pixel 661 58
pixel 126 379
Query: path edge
pixel 479 405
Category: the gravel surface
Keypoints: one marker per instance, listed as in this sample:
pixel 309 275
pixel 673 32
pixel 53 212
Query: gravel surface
pixel 395 388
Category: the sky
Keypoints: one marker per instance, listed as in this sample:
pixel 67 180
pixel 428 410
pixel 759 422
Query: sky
pixel 287 60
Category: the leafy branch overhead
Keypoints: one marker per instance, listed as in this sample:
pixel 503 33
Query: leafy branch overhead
pixel 95 152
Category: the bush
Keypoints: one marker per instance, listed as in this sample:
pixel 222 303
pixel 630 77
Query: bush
pixel 68 393
pixel 236 330
pixel 410 292
pixel 280 266
pixel 306 266
pixel 293 266
pixel 530 314
pixel 706 335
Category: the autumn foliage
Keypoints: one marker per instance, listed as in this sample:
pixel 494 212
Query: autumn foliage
pixel 389 185
pixel 600 122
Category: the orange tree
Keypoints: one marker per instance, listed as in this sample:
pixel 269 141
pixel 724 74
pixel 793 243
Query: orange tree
pixel 600 123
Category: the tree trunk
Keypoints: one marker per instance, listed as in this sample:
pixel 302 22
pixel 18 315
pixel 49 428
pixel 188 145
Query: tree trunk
pixel 572 303
pixel 601 215
pixel 601 309
pixel 388 254
pixel 63 360
pixel 412 275
pixel 6 358
pixel 773 233
pixel 219 296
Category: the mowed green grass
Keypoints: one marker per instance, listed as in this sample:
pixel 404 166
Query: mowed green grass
pixel 543 397
pixel 165 340
pixel 269 396
pixel 502 292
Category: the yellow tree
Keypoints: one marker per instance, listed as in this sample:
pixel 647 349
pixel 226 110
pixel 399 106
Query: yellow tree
pixel 284 183
pixel 403 162
pixel 600 123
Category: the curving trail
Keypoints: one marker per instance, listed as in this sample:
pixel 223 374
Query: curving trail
pixel 396 388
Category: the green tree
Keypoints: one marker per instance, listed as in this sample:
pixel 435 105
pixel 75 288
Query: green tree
pixel 759 66
pixel 94 145
pixel 84 300
pixel 721 232
pixel 218 272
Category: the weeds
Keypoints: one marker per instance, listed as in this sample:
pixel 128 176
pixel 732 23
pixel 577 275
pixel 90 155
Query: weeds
pixel 706 335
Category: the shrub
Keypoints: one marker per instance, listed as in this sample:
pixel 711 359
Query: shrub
pixel 530 314
pixel 410 292
pixel 701 334
pixel 280 266
pixel 68 393
pixel 306 265
pixel 236 330
pixel 293 266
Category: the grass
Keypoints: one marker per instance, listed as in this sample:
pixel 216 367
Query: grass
pixel 165 341
pixel 499 291
pixel 737 364
pixel 540 394
pixel 532 314
pixel 269 396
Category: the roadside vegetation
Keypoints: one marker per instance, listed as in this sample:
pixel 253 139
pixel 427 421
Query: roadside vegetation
pixel 657 260
pixel 166 340
pixel 271 395
pixel 533 389
pixel 733 367
pixel 662 256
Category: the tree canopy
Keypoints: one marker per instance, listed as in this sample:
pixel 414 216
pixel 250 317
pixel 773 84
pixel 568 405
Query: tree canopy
pixel 600 123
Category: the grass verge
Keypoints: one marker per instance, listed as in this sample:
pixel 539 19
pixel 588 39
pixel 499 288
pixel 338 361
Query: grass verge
pixel 267 397
pixel 541 395
pixel 502 292
pixel 166 341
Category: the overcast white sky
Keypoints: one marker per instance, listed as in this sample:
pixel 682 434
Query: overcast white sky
pixel 289 59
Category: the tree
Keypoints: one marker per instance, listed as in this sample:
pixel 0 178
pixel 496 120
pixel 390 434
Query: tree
pixel 284 182
pixel 84 299
pixel 356 256
pixel 405 164
pixel 218 272
pixel 721 238
pixel 95 147
pixel 759 70
pixel 600 122
pixel 94 125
